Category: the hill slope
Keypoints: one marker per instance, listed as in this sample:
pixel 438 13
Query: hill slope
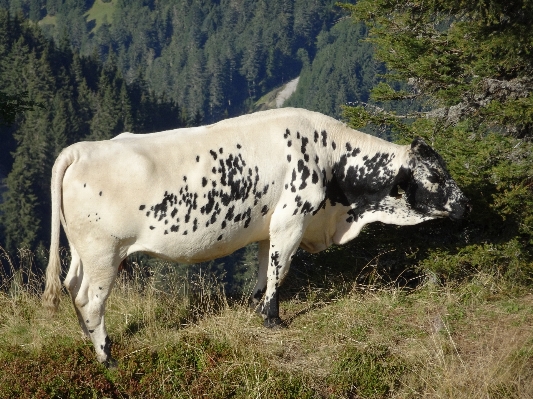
pixel 474 340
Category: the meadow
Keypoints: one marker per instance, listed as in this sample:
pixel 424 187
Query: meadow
pixel 177 338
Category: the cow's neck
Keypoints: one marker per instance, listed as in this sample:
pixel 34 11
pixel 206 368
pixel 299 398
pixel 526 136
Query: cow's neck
pixel 363 168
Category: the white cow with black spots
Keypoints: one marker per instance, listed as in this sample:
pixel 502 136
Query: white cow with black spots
pixel 284 178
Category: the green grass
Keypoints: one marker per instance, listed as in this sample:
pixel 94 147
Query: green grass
pixel 48 20
pixel 98 11
pixel 471 340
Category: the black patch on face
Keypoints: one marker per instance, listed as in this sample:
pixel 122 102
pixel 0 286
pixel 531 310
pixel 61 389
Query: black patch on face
pixel 204 182
pixel 220 150
pixel 142 207
pixel 239 146
pixel 286 134
pixel 219 237
pixel 264 210
pixel 428 165
pixel 198 158
pixel 152 227
pixel 315 137
pixel 100 194
pixel 333 145
pixel 289 157
pixel 213 154
pixel 289 143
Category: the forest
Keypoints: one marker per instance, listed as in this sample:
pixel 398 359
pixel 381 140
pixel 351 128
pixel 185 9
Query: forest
pixel 90 70
pixel 214 58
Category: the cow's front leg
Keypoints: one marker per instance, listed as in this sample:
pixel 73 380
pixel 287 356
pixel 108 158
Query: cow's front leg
pixel 284 241
pixel 260 286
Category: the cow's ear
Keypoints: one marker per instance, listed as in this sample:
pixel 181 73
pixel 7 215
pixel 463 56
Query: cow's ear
pixel 420 148
pixel 400 183
pixel 403 178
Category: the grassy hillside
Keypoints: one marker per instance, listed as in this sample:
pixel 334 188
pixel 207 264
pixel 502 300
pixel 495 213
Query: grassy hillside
pixel 474 340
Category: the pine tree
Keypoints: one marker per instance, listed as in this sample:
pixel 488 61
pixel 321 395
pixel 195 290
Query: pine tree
pixel 469 65
pixel 106 121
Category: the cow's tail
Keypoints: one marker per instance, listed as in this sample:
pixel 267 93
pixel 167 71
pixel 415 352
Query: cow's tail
pixel 52 288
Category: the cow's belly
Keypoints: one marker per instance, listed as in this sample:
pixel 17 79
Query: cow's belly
pixel 201 245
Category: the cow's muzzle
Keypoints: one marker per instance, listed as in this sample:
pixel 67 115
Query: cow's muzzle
pixel 461 209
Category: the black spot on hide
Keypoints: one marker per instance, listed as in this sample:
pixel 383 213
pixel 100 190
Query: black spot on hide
pixel 324 135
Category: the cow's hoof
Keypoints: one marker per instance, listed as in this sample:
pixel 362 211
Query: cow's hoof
pixel 254 305
pixel 111 364
pixel 274 323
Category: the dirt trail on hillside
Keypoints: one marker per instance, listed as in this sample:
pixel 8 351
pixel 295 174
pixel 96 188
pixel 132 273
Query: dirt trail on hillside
pixel 287 91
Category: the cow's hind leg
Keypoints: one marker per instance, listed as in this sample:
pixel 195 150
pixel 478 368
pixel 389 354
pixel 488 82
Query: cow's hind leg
pixel 95 281
pixel 73 284
pixel 260 286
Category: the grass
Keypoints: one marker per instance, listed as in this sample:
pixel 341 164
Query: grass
pixel 48 20
pixel 470 340
pixel 100 11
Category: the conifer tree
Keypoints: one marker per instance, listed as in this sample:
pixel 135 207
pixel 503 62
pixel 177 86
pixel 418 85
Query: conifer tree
pixel 469 65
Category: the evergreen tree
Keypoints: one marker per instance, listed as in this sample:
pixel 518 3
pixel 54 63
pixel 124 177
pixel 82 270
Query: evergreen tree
pixel 106 121
pixel 470 65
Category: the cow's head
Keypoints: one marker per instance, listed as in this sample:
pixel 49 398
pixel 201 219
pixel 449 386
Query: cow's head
pixel 429 188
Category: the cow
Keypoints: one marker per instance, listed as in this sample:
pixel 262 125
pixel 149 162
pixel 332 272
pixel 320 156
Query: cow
pixel 284 178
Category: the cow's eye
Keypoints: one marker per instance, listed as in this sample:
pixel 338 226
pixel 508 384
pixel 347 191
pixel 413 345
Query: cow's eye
pixel 435 178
